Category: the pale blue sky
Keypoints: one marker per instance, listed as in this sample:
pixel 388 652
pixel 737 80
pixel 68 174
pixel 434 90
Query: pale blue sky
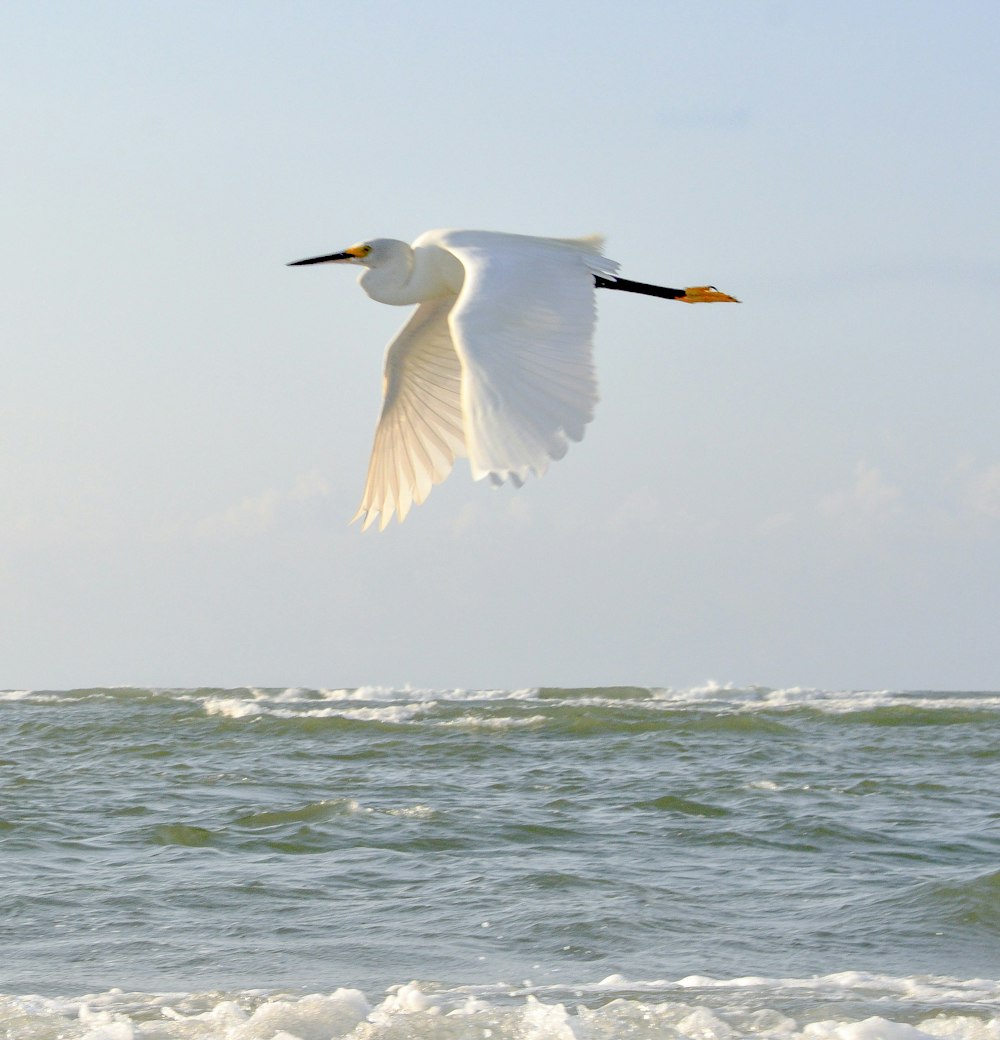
pixel 803 490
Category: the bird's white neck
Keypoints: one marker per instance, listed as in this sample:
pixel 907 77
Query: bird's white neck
pixel 404 276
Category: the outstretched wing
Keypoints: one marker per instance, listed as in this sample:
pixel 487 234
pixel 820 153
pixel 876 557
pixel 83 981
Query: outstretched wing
pixel 523 328
pixel 419 432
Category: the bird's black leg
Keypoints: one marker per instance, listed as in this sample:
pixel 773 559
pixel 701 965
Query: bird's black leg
pixel 698 294
pixel 637 287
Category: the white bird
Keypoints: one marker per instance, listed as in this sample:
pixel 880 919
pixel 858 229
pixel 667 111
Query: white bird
pixel 496 361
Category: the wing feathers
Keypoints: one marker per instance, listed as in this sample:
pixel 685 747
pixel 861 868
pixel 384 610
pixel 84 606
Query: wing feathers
pixel 523 328
pixel 420 431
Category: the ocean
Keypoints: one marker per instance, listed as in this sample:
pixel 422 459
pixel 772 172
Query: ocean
pixel 537 864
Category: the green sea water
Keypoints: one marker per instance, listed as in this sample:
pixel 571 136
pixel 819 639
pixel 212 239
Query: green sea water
pixel 542 862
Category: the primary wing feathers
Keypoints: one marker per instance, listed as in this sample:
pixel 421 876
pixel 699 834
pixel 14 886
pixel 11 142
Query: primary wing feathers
pixel 523 327
pixel 420 431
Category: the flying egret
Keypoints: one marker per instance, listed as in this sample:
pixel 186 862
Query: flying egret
pixel 496 361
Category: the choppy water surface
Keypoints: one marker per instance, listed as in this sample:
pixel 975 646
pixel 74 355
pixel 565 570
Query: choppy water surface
pixel 553 863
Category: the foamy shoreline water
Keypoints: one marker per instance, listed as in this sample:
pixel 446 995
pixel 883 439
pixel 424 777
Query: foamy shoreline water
pixel 708 864
pixel 849 1006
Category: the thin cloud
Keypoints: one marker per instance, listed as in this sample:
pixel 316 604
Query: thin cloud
pixel 253 515
pixel 982 491
pixel 870 502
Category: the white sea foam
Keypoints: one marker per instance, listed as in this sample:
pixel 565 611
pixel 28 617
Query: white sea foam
pixel 729 698
pixel 939 990
pixel 232 707
pixel 719 696
pixel 694 1008
pixel 379 704
pixel 391 713
pixel 722 698
pixel 936 989
pixel 14 695
pixel 240 708
pixel 495 722
pixel 396 713
pixel 388 693
pixel 38 696
pixel 413 812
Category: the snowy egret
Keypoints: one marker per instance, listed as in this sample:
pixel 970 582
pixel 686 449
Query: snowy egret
pixel 496 361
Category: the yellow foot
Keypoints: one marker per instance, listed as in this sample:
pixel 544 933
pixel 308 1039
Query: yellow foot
pixel 706 294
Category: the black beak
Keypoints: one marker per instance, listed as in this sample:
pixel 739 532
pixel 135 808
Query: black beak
pixel 332 258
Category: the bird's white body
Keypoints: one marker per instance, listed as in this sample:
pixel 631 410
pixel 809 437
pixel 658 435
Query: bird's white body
pixel 494 364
